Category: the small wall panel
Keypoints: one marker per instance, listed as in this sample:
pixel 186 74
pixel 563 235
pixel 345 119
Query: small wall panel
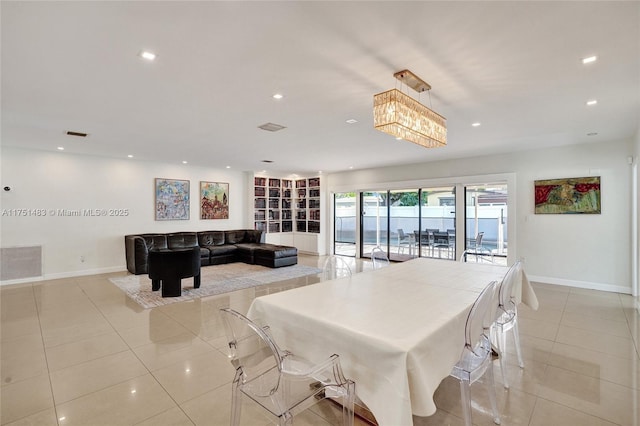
pixel 20 262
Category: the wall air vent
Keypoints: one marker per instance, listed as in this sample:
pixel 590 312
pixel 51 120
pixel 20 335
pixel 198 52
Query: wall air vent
pixel 271 127
pixel 80 134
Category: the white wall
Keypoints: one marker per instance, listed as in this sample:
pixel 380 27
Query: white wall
pixel 582 250
pixel 592 251
pixel 58 180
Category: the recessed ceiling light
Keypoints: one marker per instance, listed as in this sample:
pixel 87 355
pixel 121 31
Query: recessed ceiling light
pixel 278 96
pixel 476 124
pixel 228 167
pixel 592 102
pixel 129 156
pixel 185 162
pixel 149 56
pixel 350 167
pixel 352 121
pixel 61 148
pixel 589 60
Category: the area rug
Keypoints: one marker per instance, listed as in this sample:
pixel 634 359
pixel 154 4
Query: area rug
pixel 216 279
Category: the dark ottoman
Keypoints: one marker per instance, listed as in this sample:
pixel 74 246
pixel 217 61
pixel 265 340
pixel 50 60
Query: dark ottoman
pixel 275 256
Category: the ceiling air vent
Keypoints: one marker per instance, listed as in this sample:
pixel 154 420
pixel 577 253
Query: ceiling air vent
pixel 271 127
pixel 82 135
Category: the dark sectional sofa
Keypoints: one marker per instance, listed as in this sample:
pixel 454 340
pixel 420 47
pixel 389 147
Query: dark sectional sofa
pixel 216 247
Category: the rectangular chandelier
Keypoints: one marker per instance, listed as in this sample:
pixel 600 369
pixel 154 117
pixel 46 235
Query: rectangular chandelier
pixel 405 118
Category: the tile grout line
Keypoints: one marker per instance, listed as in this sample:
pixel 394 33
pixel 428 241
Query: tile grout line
pixel 46 357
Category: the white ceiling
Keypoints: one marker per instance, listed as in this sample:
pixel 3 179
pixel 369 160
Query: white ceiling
pixel 513 66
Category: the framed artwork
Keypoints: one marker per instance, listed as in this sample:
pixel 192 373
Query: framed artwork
pixel 172 199
pixel 214 200
pixel 568 196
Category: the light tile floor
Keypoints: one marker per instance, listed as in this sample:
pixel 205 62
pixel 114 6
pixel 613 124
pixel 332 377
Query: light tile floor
pixel 77 351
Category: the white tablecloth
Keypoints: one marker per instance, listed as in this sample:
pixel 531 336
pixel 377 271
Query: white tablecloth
pixel 398 330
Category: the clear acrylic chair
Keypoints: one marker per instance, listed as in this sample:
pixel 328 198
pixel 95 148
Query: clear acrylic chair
pixel 278 381
pixel 335 267
pixel 476 359
pixel 379 258
pixel 507 318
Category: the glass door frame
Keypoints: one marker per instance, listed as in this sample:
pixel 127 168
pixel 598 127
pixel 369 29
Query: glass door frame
pixel 335 230
pixel 361 205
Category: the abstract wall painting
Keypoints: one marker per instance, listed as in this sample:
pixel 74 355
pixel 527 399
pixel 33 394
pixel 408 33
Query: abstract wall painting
pixel 172 199
pixel 568 196
pixel 214 200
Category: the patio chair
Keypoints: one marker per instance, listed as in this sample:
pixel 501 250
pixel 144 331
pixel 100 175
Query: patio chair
pixel 440 242
pixel 281 383
pixel 476 359
pixel 475 248
pixel 405 240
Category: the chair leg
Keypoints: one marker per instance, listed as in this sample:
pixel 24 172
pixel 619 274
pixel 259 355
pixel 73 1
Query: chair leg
pixel 465 393
pixel 196 281
pixel 492 395
pixel 286 419
pixel 236 404
pixel 516 337
pixel 348 400
pixel 502 347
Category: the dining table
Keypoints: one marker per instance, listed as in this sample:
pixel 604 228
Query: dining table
pixel 398 330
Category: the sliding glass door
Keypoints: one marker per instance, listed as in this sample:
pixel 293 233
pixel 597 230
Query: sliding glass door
pixel 404 223
pixel 344 208
pixel 374 222
pixel 437 237
pixel 409 223
pixel 486 223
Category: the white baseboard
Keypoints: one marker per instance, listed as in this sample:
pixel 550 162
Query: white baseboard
pixel 69 274
pixel 581 284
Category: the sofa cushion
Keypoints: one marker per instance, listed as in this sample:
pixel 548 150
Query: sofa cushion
pixel 252 236
pixel 211 238
pixel 155 241
pixel 222 250
pixel 182 240
pixel 234 237
pixel 249 246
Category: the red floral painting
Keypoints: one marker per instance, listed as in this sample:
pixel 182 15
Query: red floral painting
pixel 571 195
pixel 214 200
